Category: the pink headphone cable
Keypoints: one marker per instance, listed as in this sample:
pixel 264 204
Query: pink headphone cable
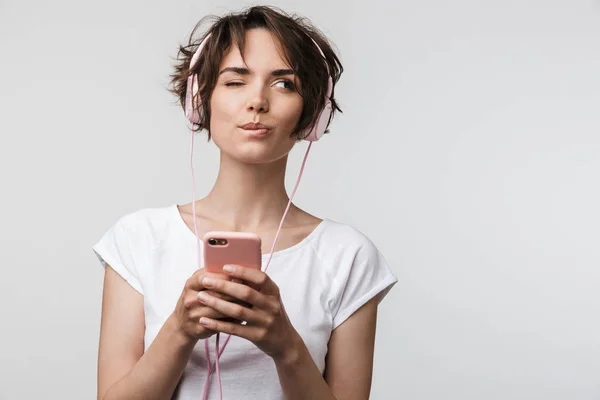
pixel 219 350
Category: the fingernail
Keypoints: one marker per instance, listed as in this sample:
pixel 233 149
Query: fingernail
pixel 229 268
pixel 202 297
pixel 208 282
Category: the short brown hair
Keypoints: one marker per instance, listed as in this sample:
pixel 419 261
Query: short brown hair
pixel 294 34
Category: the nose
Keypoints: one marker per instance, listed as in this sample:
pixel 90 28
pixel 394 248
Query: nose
pixel 258 101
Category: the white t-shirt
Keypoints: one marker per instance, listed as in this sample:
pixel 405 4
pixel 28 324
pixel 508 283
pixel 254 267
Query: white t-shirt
pixel 322 280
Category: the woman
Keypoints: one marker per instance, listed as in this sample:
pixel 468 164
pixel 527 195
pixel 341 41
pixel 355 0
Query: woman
pixel 158 310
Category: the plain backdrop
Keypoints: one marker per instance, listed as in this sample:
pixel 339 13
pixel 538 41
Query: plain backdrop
pixel 468 151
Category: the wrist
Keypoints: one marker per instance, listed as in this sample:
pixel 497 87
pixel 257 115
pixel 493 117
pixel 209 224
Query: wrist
pixel 177 335
pixel 293 354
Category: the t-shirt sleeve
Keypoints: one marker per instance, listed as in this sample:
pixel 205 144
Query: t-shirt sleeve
pixel 365 277
pixel 114 248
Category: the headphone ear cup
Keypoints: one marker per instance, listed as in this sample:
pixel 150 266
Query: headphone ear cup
pixel 192 97
pixel 323 120
pixel 321 124
pixel 192 100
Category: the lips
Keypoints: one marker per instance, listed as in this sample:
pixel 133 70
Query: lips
pixel 256 129
pixel 254 125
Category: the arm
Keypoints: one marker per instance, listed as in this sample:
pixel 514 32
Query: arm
pixel 349 362
pixel 124 370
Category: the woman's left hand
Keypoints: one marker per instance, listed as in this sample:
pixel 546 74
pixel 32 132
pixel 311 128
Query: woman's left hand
pixel 267 324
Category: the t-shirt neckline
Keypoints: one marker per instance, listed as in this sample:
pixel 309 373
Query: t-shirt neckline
pixel 188 233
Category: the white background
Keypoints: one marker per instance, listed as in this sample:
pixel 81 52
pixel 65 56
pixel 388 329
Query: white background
pixel 468 151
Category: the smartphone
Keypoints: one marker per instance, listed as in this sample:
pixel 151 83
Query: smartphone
pixel 238 248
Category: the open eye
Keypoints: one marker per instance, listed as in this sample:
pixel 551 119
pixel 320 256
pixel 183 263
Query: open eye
pixel 290 84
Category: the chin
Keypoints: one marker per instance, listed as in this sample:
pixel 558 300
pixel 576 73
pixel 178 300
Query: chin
pixel 252 151
pixel 255 153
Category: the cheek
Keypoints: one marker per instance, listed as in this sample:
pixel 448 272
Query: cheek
pixel 223 109
pixel 292 112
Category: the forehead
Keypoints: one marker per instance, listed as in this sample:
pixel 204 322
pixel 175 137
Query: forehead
pixel 262 51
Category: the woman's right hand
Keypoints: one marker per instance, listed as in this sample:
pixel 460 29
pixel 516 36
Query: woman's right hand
pixel 189 309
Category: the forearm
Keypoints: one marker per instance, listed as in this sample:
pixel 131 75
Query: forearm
pixel 300 377
pixel 157 372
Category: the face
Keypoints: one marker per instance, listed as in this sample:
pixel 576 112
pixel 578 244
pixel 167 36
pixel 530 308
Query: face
pixel 261 91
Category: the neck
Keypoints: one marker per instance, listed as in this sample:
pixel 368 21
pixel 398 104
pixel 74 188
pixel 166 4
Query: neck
pixel 247 197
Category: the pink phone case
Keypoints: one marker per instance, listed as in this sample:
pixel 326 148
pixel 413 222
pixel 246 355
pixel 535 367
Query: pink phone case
pixel 242 248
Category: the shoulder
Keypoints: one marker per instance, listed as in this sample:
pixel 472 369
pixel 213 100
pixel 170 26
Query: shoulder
pixel 145 224
pixel 338 237
pixel 344 249
pixel 145 215
pixel 357 267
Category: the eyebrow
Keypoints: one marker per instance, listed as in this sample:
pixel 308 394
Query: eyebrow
pixel 246 71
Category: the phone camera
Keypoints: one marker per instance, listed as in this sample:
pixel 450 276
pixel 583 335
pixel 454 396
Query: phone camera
pixel 212 242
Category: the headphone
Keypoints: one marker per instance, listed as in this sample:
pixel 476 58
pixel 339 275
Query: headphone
pixel 192 107
pixel 193 102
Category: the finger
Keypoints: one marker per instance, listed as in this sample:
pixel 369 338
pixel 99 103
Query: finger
pixel 195 281
pixel 251 315
pixel 238 291
pixel 195 309
pixel 216 315
pixel 255 277
pixel 221 296
pixel 252 333
pixel 203 311
pixel 191 297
